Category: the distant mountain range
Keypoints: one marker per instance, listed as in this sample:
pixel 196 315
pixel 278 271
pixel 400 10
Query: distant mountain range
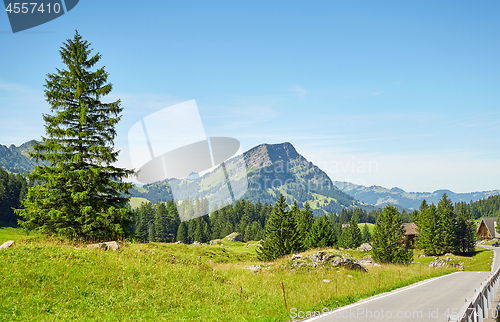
pixel 16 159
pixel 273 169
pixel 379 196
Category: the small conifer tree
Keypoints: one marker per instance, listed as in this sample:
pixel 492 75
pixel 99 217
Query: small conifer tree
pixel 280 234
pixel 321 234
pixel 389 242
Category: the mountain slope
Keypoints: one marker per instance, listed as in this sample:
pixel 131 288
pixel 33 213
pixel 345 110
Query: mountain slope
pixel 16 159
pixel 379 196
pixel 271 169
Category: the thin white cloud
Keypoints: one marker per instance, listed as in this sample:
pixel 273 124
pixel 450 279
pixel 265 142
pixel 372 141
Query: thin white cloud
pixel 298 91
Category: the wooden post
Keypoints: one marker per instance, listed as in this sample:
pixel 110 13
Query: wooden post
pixel 284 297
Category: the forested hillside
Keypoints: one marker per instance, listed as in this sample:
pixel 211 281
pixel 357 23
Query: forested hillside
pixel 13 189
pixel 160 222
pixel 489 207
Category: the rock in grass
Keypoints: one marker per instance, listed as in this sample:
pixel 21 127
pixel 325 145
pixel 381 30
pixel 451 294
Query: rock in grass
pixel 325 258
pixel 439 263
pixel 234 237
pixel 254 268
pixel 7 244
pixel 365 247
pixel 215 242
pixel 112 245
pixel 196 243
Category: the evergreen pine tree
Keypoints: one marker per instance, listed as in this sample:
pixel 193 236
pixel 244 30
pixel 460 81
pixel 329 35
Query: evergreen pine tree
pixel 198 232
pixel 351 235
pixel 337 232
pixel 182 233
pixel 160 232
pixel 305 220
pixel 78 193
pixel 173 221
pixel 143 218
pixel 446 225
pixel 465 231
pixel 427 238
pixel 366 236
pixel 206 232
pixel 280 235
pixel 320 235
pixel 388 240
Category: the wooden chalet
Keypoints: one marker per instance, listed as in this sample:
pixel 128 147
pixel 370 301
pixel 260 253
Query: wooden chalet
pixel 487 228
pixel 410 232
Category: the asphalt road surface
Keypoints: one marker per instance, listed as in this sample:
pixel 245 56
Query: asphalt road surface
pixel 431 300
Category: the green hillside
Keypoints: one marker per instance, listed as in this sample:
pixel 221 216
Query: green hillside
pixel 271 169
pixel 53 280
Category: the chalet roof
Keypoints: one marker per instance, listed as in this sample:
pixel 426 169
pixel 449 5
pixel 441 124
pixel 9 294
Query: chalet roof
pixel 490 223
pixel 411 228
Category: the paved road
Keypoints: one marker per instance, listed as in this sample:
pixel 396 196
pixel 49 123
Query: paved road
pixel 429 300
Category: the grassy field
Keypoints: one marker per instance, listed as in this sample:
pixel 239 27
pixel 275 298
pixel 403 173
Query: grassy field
pixel 479 261
pixel 135 202
pixel 370 227
pixel 47 280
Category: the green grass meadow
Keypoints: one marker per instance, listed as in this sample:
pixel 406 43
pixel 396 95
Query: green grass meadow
pixel 45 279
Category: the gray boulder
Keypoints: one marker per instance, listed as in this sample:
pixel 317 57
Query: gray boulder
pixel 438 264
pixel 365 247
pixel 349 264
pixel 324 257
pixel 234 237
pixel 112 245
pixel 254 268
pixel 366 261
pixel 7 244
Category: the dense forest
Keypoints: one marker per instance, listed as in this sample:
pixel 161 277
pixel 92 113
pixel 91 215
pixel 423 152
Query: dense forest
pixel 161 222
pixel 13 189
pixel 489 207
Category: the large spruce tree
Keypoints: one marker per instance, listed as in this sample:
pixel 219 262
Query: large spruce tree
pixel 281 233
pixel 365 235
pixel 436 227
pixel 351 235
pixel 321 234
pixel 389 242
pixel 465 231
pixel 446 221
pixel 78 192
pixel 305 221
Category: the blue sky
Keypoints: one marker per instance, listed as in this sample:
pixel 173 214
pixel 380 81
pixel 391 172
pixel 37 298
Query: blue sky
pixel 391 93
